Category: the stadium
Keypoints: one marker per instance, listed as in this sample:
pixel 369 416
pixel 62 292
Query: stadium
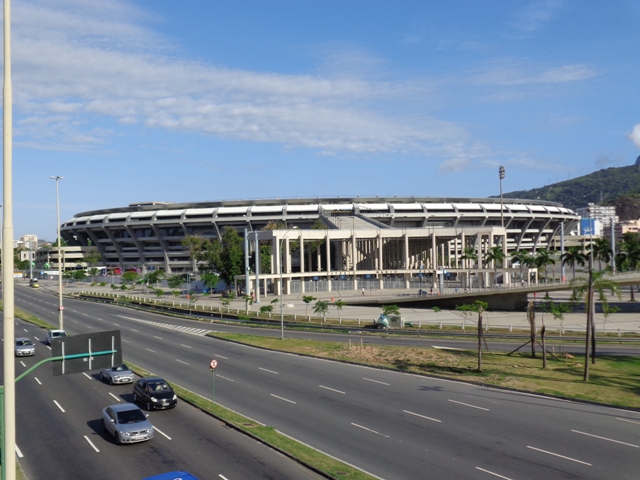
pixel 324 244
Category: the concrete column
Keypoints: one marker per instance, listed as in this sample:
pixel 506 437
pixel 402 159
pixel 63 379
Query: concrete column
pixel 301 255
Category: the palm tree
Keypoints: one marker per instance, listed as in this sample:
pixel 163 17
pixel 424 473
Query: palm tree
pixel 600 285
pixel 574 256
pixel 543 257
pixel 495 255
pixel 321 307
pixel 601 251
pixel 523 258
pixel 469 255
pixel 628 257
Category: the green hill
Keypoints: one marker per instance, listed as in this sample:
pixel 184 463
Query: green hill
pixel 611 186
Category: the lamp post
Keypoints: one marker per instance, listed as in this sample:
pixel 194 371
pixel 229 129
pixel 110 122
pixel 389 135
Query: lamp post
pixel 501 172
pixel 282 287
pixel 57 178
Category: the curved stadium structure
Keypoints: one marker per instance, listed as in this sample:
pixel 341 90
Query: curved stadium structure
pixel 360 238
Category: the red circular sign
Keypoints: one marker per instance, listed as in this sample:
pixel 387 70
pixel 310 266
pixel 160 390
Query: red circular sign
pixel 213 364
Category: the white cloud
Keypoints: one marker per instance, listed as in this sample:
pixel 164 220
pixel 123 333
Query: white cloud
pixel 518 74
pixel 78 61
pixel 634 135
pixel 537 14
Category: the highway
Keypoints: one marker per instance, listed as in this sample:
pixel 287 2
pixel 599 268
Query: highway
pixel 392 425
pixel 60 435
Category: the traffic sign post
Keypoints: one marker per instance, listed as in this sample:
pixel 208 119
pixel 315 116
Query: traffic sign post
pixel 212 366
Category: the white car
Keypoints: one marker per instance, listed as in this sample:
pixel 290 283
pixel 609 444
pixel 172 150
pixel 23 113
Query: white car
pixel 24 347
pixel 117 374
pixel 51 334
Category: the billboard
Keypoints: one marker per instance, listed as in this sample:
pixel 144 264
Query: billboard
pixel 83 353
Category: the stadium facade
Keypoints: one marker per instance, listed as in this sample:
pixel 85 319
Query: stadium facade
pixel 362 242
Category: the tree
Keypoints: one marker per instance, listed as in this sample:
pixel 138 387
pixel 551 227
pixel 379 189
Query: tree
pixel 159 292
pixel 204 251
pixel 321 307
pixel 390 310
pixel 92 257
pixel 154 276
pixel 542 258
pixel 628 257
pixel 339 304
pixel 495 255
pixel 231 256
pixel 210 280
pixel 175 282
pixel 129 277
pixel 599 284
pixel 601 251
pixel 469 256
pixel 307 299
pixel 79 275
pixel 574 256
pixel 265 309
pixel 479 307
pixel 93 271
pixel 524 258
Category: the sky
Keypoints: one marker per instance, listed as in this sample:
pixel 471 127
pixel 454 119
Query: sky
pixel 206 100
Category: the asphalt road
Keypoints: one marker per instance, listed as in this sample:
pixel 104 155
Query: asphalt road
pixel 60 435
pixel 393 425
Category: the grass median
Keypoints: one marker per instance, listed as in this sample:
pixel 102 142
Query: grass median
pixel 614 380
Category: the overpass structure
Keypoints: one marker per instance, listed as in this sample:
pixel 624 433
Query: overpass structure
pixel 512 297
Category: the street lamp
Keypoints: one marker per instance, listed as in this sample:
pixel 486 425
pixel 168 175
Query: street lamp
pixel 501 172
pixel 282 287
pixel 57 178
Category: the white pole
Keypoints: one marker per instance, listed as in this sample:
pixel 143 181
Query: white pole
pixel 9 397
pixel 57 178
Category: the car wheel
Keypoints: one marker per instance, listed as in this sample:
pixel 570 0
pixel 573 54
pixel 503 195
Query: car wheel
pixel 104 424
pixel 118 440
pixel 110 381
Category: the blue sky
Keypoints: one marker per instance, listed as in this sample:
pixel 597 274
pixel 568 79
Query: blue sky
pixel 138 100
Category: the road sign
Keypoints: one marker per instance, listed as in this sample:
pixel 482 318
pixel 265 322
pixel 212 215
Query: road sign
pixel 213 364
pixel 83 353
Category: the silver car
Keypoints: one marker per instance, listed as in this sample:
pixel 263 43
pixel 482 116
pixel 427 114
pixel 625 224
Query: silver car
pixel 51 334
pixel 127 423
pixel 24 347
pixel 117 374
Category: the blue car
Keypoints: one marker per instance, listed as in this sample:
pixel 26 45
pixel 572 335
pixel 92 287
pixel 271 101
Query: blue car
pixel 172 476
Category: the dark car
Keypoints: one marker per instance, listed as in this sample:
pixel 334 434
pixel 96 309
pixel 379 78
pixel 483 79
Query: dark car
pixel 154 393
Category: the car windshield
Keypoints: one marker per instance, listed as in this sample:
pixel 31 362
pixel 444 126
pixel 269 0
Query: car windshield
pixel 131 416
pixel 159 387
pixel 21 343
pixel 121 368
pixel 58 334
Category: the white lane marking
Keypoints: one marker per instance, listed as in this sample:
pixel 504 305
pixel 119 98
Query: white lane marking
pixel 225 378
pixel 89 377
pixel 369 430
pixel 101 319
pixel 375 381
pixel 185 346
pixel 126 341
pixel 222 477
pixel 90 443
pixel 36 379
pixel 492 473
pixel 159 338
pixel 625 420
pixel 265 370
pixel 89 326
pixel 49 347
pixel 19 452
pixel 117 324
pixel 605 438
pixel 25 330
pixel 284 399
pixel 557 455
pixel 58 405
pixel 162 433
pixel 86 314
pixel 152 351
pixel 220 356
pixel 469 405
pixel 180 361
pixel 22 363
pixel 437 347
pixel 134 330
pixel 422 416
pixel 332 389
pixel 117 398
pixel 37 338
